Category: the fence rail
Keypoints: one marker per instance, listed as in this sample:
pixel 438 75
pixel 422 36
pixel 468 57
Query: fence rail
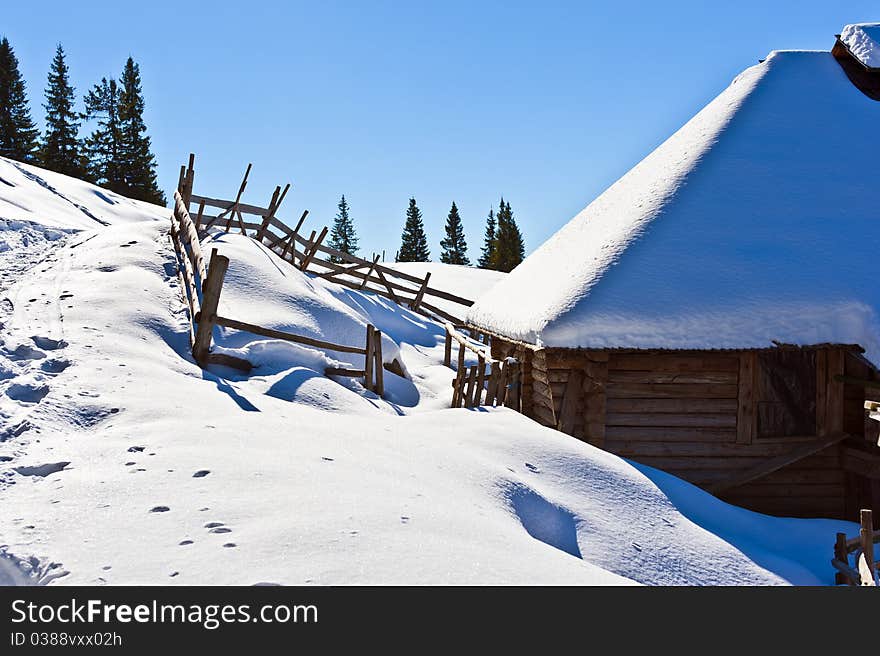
pixel 201 285
pixel 865 570
pixel 473 386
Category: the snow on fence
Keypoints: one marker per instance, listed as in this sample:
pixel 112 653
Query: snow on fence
pixel 200 288
pixel 310 254
pixel 472 387
pixel 865 571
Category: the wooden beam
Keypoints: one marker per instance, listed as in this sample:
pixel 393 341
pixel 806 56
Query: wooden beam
pixel 421 293
pixel 288 337
pixel 469 391
pixel 746 416
pixel 348 373
pixel 370 272
pixel 379 366
pixel 481 380
pixel 210 300
pixel 571 401
pixel 226 360
pixel 447 349
pixel 369 357
pixel 307 259
pixel 773 464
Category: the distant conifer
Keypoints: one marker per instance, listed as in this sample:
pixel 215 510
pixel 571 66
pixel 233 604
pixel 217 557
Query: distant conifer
pixel 103 146
pixel 18 134
pixel 454 245
pixel 343 236
pixel 414 243
pixel 137 162
pixel 488 249
pixel 61 150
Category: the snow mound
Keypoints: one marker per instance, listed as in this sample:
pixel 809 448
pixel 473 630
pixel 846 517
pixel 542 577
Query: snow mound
pixel 740 229
pixel 863 41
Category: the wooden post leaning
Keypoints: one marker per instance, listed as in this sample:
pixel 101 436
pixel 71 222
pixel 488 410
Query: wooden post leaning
pixel 369 358
pixel 210 301
pixel 379 369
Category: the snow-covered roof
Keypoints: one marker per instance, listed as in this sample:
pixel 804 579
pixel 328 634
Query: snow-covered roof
pixel 863 41
pixel 756 221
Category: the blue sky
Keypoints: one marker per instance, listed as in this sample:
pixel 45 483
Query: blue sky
pixel 545 103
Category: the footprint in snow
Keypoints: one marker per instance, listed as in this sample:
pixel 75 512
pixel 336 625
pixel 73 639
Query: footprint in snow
pixel 183 543
pixel 158 509
pixel 213 524
pixel 136 449
pixel 54 366
pixel 48 343
pixel 27 392
pixel 532 468
pixel 201 473
pixel 229 545
pixel 220 529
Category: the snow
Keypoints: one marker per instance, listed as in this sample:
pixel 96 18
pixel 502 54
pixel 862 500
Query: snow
pixel 465 281
pixel 754 222
pixel 122 462
pixel 863 41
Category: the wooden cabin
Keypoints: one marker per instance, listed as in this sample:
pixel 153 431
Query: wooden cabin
pixel 780 430
pixel 715 313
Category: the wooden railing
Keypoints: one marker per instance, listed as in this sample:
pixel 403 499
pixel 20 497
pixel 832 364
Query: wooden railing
pixel 201 286
pixel 865 570
pixel 474 386
pixel 311 254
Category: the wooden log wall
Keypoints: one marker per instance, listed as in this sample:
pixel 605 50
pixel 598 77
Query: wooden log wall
pixel 695 415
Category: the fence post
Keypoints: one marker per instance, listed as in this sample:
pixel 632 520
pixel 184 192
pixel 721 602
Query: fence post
pixel 417 301
pixel 369 357
pixel 380 370
pixel 866 533
pixel 841 554
pixel 447 350
pixel 210 300
pixel 481 378
pixel 456 388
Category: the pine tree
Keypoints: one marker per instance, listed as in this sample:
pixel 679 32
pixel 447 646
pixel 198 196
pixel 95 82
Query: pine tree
pixel 509 246
pixel 488 250
pixel 343 236
pixel 18 134
pixel 61 148
pixel 414 243
pixel 103 146
pixel 454 245
pixel 138 165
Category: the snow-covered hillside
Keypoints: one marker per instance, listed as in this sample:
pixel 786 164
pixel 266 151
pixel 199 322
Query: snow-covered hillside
pixel 121 461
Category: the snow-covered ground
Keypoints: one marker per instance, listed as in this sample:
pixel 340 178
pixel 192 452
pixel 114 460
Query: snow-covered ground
pixel 121 461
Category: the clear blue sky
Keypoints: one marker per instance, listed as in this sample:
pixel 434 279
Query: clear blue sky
pixel 545 103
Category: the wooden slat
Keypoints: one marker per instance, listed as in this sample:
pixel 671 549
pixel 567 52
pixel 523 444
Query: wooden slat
pixel 349 373
pixel 369 357
pixel 469 390
pixel 571 402
pixel 778 462
pixel 707 377
pixel 481 381
pixel 746 417
pixel 228 204
pixel 672 363
pixel 709 449
pixel 670 434
pixel 834 407
pixel 379 366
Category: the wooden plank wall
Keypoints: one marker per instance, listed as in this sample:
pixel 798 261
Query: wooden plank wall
pixel 693 415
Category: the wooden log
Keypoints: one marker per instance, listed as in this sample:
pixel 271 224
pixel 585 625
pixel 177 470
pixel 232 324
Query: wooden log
pixel 866 538
pixel 304 265
pixel 674 363
pixel 369 358
pixel 181 178
pixel 460 357
pixel 513 383
pixel 672 390
pixel 264 226
pixel 461 339
pixel 708 377
pixel 835 399
pixel 673 406
pixel 494 382
pixel 210 300
pixel 288 337
pixel 226 360
pixel 669 420
pixel 421 293
pixel 841 554
pixel 481 381
pixel 847 572
pixel 447 350
pixel 226 205
pixel 344 271
pixel 821 391
pixel 199 216
pixel 379 366
pixel 778 462
pixel 457 384
pixel 387 286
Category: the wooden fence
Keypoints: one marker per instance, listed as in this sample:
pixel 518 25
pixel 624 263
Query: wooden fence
pixel 310 253
pixel 865 570
pixel 473 386
pixel 201 285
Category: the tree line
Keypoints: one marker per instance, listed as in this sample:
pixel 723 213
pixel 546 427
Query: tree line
pixel 116 154
pixel 503 246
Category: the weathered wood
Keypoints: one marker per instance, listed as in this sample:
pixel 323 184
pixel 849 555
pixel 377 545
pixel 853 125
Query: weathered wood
pixel 595 399
pixel 226 360
pixel 708 377
pixel 369 358
pixel 673 363
pixel 861 462
pixel 672 390
pixel 210 300
pixel 199 216
pixel 673 406
pixel 466 343
pixel 385 282
pixel 846 571
pixel 494 383
pixel 841 555
pixel 835 399
pixel 379 366
pixel 370 272
pixel 457 384
pixel 821 391
pixel 447 349
pixel 697 447
pixel 469 390
pixel 772 464
pixel 671 420
pixel 288 337
pixel 853 380
pixel 513 384
pixel 264 226
pixel 571 400
pixel 481 382
pixel 746 417
pixel 670 434
pixel 349 373
pixel 342 272
pixel 421 293
pixel 304 265
pixel 866 540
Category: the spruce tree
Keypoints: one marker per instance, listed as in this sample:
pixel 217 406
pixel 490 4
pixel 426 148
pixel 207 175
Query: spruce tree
pixel 488 250
pixel 61 147
pixel 509 246
pixel 454 245
pixel 18 134
pixel 343 236
pixel 103 146
pixel 138 165
pixel 414 243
